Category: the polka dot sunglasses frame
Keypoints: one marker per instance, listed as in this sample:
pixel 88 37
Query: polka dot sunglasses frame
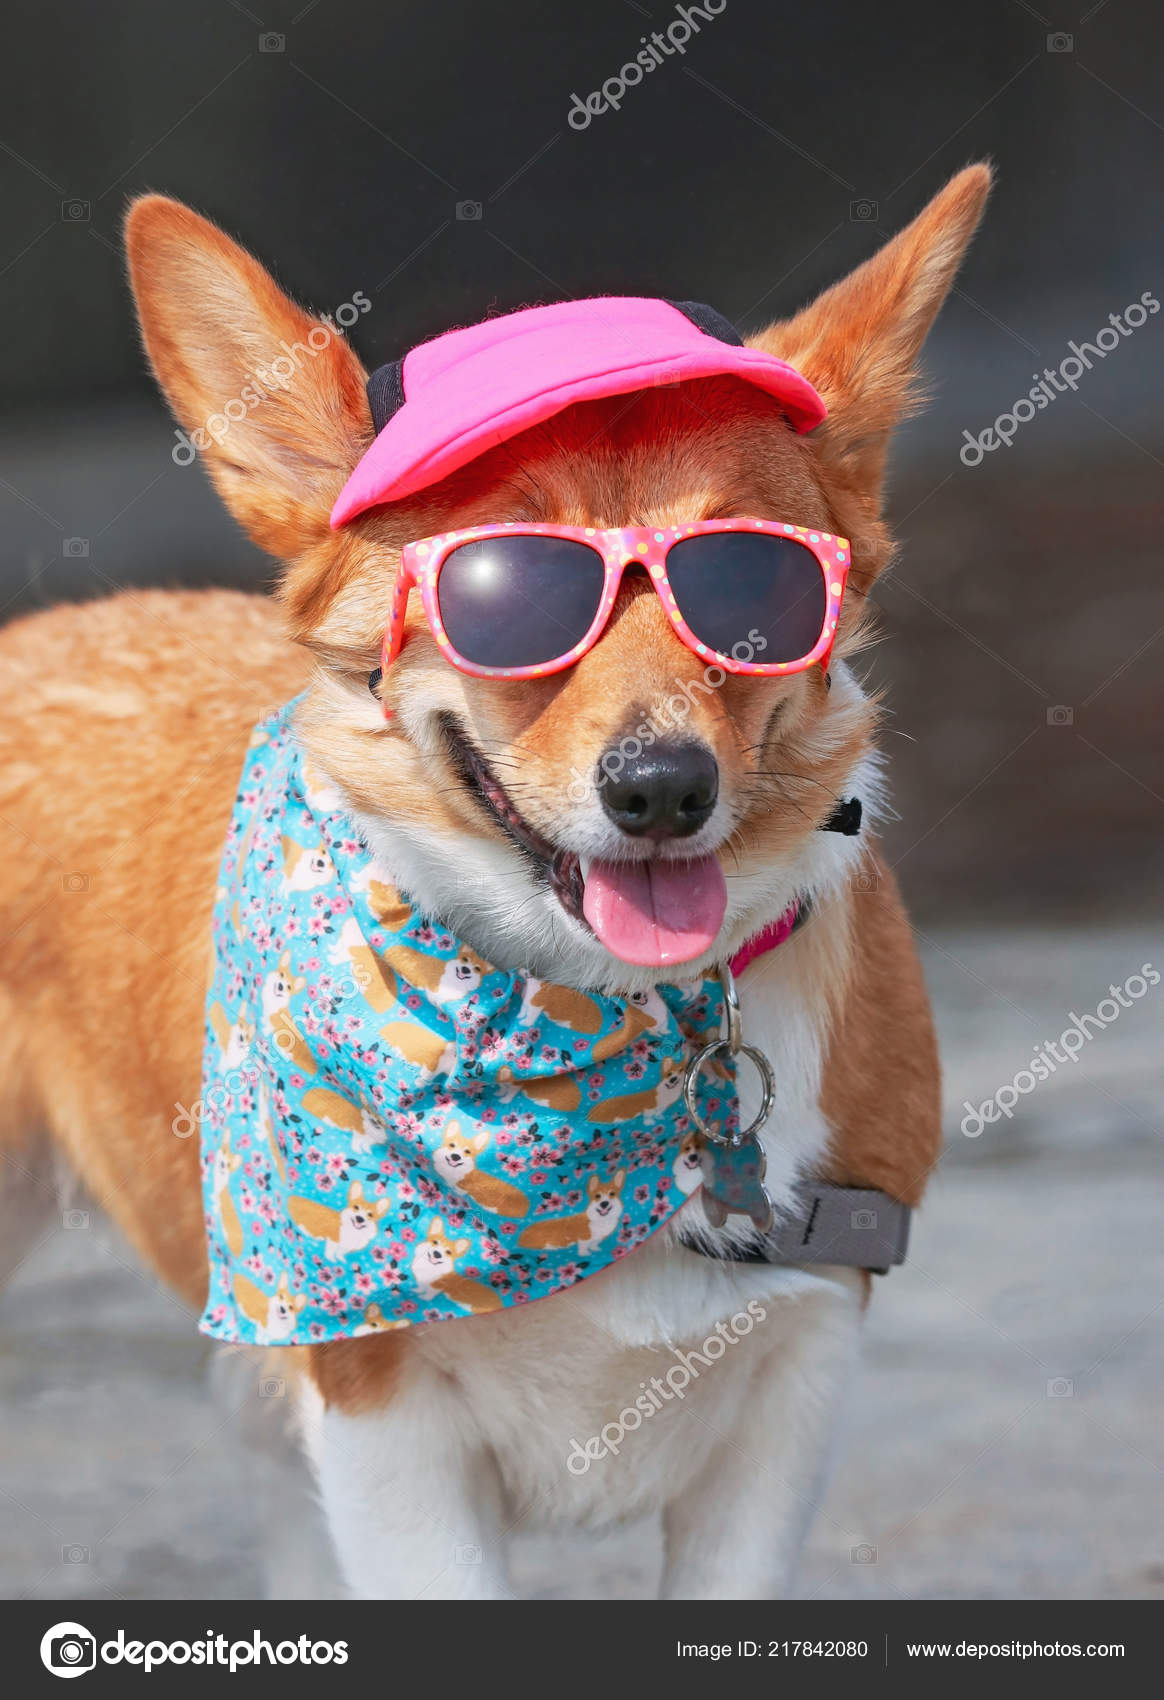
pixel 501 577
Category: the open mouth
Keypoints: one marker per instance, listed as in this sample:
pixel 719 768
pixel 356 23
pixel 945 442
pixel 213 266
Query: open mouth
pixel 650 913
pixel 561 868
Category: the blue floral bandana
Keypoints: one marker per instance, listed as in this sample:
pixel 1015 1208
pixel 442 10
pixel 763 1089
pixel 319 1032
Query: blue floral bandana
pixel 395 1132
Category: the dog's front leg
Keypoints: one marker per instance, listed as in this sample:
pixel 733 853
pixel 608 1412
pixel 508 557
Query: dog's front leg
pixel 410 1497
pixel 736 1532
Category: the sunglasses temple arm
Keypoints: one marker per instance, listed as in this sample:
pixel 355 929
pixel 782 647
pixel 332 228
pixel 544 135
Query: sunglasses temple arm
pixel 826 658
pixel 393 633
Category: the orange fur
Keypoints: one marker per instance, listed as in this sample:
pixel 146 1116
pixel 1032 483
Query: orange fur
pixel 881 1087
pixel 124 723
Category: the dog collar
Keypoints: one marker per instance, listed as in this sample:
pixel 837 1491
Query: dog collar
pixel 853 1227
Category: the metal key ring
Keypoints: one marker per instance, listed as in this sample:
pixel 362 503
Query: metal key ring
pixel 691 1078
pixel 731 1005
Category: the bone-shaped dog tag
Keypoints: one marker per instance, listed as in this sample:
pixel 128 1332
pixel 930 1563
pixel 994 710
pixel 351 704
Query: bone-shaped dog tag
pixel 733 1183
pixel 733 1165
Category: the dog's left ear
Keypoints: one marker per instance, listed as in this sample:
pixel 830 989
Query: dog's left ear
pixel 858 343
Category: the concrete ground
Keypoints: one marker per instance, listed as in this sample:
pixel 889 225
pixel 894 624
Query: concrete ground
pixel 1002 1440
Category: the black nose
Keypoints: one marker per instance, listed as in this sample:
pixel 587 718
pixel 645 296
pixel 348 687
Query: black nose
pixel 667 791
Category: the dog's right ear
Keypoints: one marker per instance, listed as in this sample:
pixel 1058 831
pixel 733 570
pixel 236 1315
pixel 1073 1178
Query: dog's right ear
pixel 272 397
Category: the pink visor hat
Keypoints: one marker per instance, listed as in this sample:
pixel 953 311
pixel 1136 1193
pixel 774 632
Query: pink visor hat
pixel 453 398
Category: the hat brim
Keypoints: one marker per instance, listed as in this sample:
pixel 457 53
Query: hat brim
pixel 455 411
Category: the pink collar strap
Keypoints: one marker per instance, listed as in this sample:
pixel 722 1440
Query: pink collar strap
pixel 768 938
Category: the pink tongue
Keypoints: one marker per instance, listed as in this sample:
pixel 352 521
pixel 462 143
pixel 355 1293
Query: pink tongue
pixel 656 913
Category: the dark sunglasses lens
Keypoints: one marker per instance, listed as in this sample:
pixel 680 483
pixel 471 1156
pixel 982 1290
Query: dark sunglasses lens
pixel 736 588
pixel 519 601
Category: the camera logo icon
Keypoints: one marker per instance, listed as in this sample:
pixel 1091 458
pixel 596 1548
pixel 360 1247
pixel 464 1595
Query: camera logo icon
pixel 862 1220
pixel 68 1649
pixel 75 548
pixel 1060 42
pixel 271 42
pixel 1060 715
pixel 863 212
pixel 469 212
pixel 76 212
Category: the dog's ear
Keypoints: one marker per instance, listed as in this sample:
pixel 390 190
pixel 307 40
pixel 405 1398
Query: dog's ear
pixel 858 342
pixel 272 397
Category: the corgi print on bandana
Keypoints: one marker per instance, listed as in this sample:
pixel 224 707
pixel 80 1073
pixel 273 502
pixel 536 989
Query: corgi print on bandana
pixel 393 1131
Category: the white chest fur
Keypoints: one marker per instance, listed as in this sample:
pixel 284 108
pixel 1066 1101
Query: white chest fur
pixel 628 1394
pixel 566 1409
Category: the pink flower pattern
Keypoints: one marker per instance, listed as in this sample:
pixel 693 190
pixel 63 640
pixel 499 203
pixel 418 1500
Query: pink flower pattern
pixel 334 1139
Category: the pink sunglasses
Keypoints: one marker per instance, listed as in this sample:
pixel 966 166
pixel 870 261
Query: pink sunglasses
pixel 520 601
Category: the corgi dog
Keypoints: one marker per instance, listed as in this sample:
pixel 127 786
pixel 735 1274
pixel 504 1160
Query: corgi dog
pixel 371 973
pixel 639 1017
pixel 651 1009
pixel 434 1268
pixel 648 1105
pixel 383 899
pixel 364 1130
pixel 486 801
pixel 279 988
pixel 687 1169
pixel 375 1322
pixel 235 1034
pixel 342 1231
pixel 561 1004
pixel 445 979
pixel 273 1314
pixel 644 1010
pixel 419 1045
pixel 455 1160
pixel 597 1222
pixel 226 1162
pixel 559 1092
pixel 306 868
